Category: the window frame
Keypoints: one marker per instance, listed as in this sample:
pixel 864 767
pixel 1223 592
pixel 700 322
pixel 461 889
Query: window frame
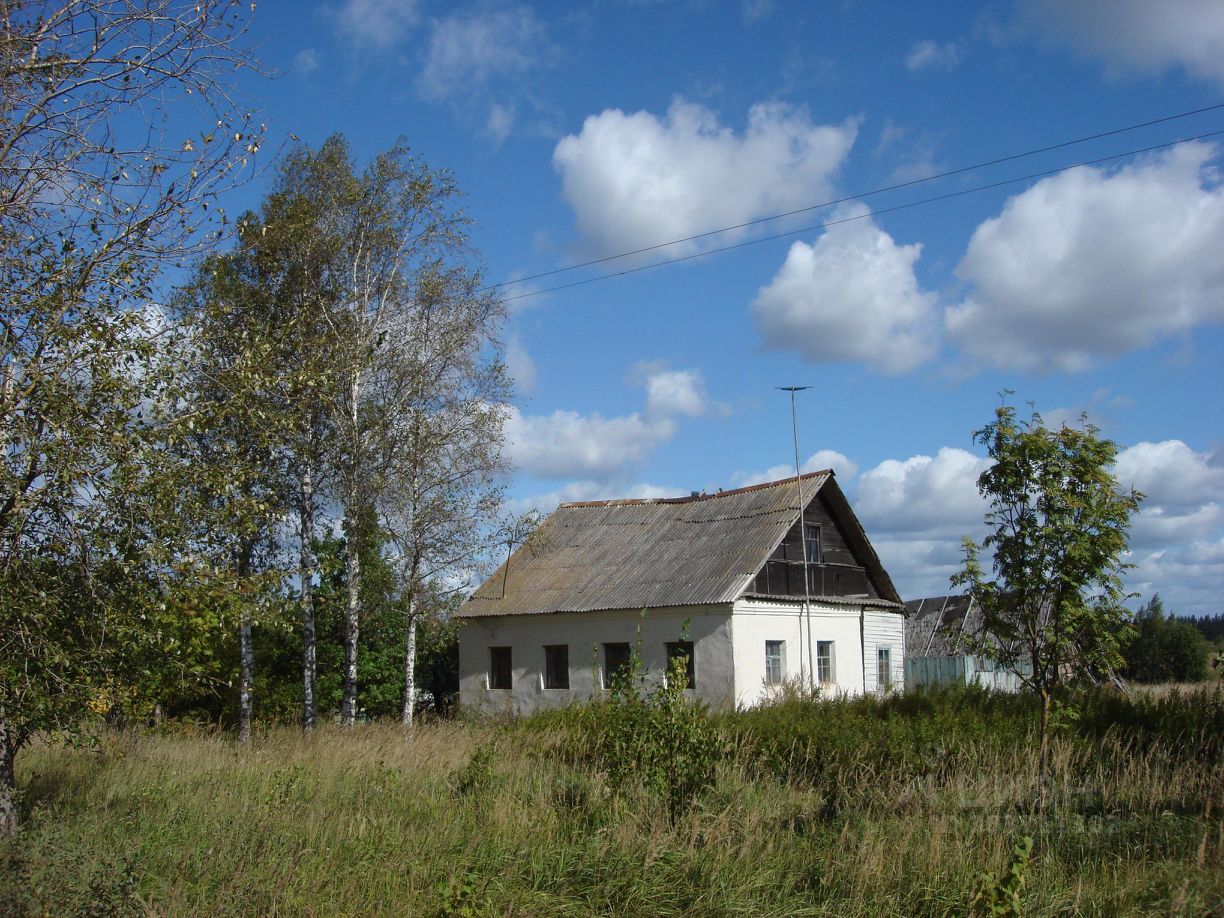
pixel 673 649
pixel 884 656
pixel 826 663
pixel 499 667
pixel 556 679
pixel 813 557
pixel 779 659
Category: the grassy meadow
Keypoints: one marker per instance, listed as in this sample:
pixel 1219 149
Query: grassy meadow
pixel 912 805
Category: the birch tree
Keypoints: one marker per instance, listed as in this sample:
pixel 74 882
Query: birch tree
pixel 98 190
pixel 240 366
pixel 410 324
pixel 446 467
pixel 275 293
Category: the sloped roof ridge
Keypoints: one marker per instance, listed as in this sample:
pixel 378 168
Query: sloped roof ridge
pixel 640 501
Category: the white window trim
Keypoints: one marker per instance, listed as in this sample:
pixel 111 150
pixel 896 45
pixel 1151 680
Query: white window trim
pixel 781 663
pixel 832 680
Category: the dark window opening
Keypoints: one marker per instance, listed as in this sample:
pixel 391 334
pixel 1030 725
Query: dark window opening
pixel 556 666
pixel 617 665
pixel 501 674
pixel 682 650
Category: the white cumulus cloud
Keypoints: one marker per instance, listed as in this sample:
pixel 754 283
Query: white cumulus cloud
pixel 673 392
pixel 924 495
pixel 568 444
pixel 1183 493
pixel 844 467
pixel 851 296
pixel 467 52
pixel 636 179
pixel 1133 35
pixel 565 443
pixel 917 510
pixel 1091 264
pixel 1187 576
pixel 1171 474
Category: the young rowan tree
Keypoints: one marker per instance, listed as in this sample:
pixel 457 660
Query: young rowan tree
pixel 1058 534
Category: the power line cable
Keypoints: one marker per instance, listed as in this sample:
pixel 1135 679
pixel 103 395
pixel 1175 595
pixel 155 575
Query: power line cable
pixel 826 224
pixel 853 197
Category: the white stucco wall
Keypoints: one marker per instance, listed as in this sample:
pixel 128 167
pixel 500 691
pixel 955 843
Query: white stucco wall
pixel 757 621
pixel 884 629
pixel 709 628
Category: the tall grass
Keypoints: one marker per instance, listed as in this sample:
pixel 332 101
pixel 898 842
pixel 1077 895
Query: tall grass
pixel 858 807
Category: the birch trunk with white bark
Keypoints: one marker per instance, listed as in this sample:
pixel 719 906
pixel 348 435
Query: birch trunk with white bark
pixel 306 572
pixel 410 662
pixel 246 652
pixel 352 613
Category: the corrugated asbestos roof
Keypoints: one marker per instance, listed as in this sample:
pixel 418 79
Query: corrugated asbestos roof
pixel 936 626
pixel 645 554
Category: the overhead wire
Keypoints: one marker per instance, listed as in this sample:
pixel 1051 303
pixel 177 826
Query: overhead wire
pixel 848 219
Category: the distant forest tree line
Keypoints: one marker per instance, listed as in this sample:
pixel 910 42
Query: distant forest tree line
pixel 1172 648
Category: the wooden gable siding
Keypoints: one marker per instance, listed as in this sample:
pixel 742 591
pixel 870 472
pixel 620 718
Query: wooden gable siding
pixel 837 573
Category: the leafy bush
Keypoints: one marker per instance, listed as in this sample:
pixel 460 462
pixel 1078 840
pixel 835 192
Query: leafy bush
pixel 654 738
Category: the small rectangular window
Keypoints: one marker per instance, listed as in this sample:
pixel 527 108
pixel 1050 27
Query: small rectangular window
pixel 616 663
pixel 501 674
pixel 556 666
pixel 884 668
pixel 775 662
pixel 683 650
pixel 825 673
pixel 811 543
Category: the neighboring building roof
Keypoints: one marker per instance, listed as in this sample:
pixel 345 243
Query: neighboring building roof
pixel 937 626
pixel 649 554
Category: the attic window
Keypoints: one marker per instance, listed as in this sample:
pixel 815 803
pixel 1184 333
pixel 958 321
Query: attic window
pixel 811 542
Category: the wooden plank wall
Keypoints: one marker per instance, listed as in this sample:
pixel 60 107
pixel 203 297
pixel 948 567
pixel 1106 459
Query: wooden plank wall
pixel 837 573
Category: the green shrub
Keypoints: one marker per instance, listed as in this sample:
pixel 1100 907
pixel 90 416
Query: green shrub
pixel 654 738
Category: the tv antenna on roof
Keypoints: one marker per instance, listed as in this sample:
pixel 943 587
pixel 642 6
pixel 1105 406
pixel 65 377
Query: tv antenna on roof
pixel 807 598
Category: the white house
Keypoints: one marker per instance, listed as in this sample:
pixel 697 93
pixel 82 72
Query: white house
pixel 718 579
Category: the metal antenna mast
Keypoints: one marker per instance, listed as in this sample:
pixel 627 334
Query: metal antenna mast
pixel 807 599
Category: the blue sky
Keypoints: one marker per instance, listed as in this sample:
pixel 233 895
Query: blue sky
pixel 582 130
